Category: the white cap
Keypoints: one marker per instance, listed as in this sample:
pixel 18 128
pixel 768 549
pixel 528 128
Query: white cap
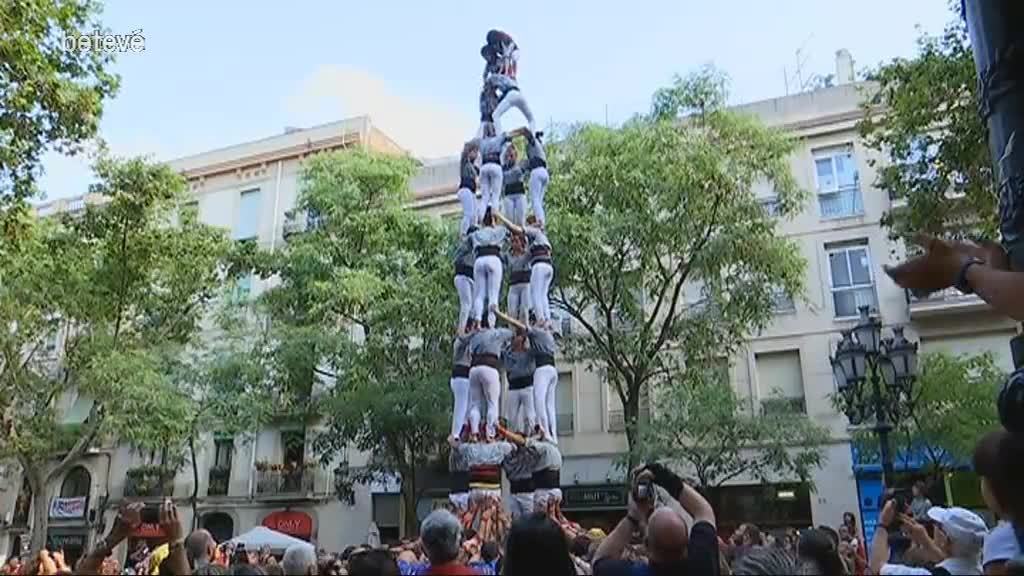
pixel 961 525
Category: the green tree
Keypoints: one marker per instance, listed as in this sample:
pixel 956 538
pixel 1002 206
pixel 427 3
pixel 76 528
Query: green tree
pixel 50 97
pixel 661 245
pixel 364 308
pixel 700 424
pixel 952 407
pixel 124 290
pixel 923 118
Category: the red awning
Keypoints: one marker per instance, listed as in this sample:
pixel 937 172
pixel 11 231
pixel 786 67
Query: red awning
pixel 290 522
pixel 149 531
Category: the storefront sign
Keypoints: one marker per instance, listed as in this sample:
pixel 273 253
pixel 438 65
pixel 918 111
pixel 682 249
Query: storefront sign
pixel 68 507
pixel 64 541
pixel 600 497
pixel 292 523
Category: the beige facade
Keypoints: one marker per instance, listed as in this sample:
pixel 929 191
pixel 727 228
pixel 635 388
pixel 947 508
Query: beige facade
pixel 250 189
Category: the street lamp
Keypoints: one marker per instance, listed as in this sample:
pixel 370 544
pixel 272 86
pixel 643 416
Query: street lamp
pixel 875 377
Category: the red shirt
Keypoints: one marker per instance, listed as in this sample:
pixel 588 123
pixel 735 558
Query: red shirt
pixel 453 568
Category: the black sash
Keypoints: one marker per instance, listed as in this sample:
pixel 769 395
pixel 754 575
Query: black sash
pixel 514 188
pixel 488 251
pixel 463 270
pixel 535 163
pixel 523 486
pixel 492 159
pixel 460 481
pixel 520 382
pixel 519 277
pixel 460 371
pixel 547 479
pixel 470 184
pixel 486 360
pixel 544 360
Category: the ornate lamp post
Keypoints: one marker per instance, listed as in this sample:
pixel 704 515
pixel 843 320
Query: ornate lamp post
pixel 875 377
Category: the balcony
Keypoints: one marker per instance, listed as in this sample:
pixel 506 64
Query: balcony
pixel 149 482
pixel 283 483
pixel 218 481
pixel 298 221
pixel 948 301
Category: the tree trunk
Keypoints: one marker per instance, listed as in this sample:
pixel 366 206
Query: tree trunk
pixel 195 482
pixel 411 524
pixel 631 413
pixel 40 509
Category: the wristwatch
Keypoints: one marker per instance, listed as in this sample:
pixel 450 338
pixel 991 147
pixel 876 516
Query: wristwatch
pixel 961 283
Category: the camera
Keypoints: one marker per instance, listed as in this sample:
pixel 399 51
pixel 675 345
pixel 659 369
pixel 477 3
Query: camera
pixel 150 515
pixel 644 490
pixel 901 498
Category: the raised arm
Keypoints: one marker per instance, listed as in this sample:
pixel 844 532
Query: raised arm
pixel 511 436
pixel 508 223
pixel 129 517
pixel 519 326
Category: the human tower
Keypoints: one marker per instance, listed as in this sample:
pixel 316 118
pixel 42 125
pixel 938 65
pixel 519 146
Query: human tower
pixel 497 234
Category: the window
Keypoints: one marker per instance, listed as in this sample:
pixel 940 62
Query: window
pixel 838 182
pixel 223 448
pixel 564 405
pixel 76 483
pixel 293 443
pixel 248 215
pixel 616 413
pixel 780 381
pixel 387 515
pixel 852 282
pixel 782 301
pixel 770 205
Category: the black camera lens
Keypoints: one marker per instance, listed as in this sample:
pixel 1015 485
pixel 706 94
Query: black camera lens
pixel 1011 402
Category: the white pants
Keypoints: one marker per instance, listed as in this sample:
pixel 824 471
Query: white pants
pixel 521 414
pixel 490 185
pixel 520 504
pixel 541 274
pixel 545 381
pixel 509 100
pixel 464 287
pixel 460 500
pixel 538 185
pixel 489 383
pixel 519 302
pixel 476 405
pixel 460 391
pixel 469 213
pixel 487 272
pixel 515 208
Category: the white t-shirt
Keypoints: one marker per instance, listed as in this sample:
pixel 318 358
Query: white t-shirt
pixel 1000 544
pixel 967 567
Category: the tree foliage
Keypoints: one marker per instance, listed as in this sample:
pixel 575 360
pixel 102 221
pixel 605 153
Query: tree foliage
pixel 122 292
pixel 362 314
pixel 660 245
pixel 952 407
pixel 50 97
pixel 924 120
pixel 700 425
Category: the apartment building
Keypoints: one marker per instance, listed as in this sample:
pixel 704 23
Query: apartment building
pixel 251 190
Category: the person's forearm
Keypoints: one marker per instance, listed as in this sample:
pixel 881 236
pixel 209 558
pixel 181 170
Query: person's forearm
pixel 177 562
pixel 879 550
pixel 696 506
pixel 510 320
pixel 613 544
pixel 94 560
pixel 508 223
pixel 1001 289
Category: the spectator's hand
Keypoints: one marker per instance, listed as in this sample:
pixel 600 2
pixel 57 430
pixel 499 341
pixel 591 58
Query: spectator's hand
pixel 936 269
pixel 666 478
pixel 169 521
pixel 888 514
pixel 129 518
pixel 58 560
pixel 914 530
pixel 640 510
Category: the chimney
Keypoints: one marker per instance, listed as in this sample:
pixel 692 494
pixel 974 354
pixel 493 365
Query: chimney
pixel 844 67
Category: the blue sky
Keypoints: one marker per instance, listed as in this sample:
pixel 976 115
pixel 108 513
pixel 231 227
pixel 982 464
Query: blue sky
pixel 220 73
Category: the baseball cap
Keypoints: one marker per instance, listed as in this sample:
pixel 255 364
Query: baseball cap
pixel 960 525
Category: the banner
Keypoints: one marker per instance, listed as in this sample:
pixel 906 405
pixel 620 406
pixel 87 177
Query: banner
pixel 68 507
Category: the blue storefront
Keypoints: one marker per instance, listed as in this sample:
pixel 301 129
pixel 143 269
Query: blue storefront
pixel 908 466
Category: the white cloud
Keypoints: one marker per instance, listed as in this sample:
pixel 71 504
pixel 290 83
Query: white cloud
pixel 425 128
